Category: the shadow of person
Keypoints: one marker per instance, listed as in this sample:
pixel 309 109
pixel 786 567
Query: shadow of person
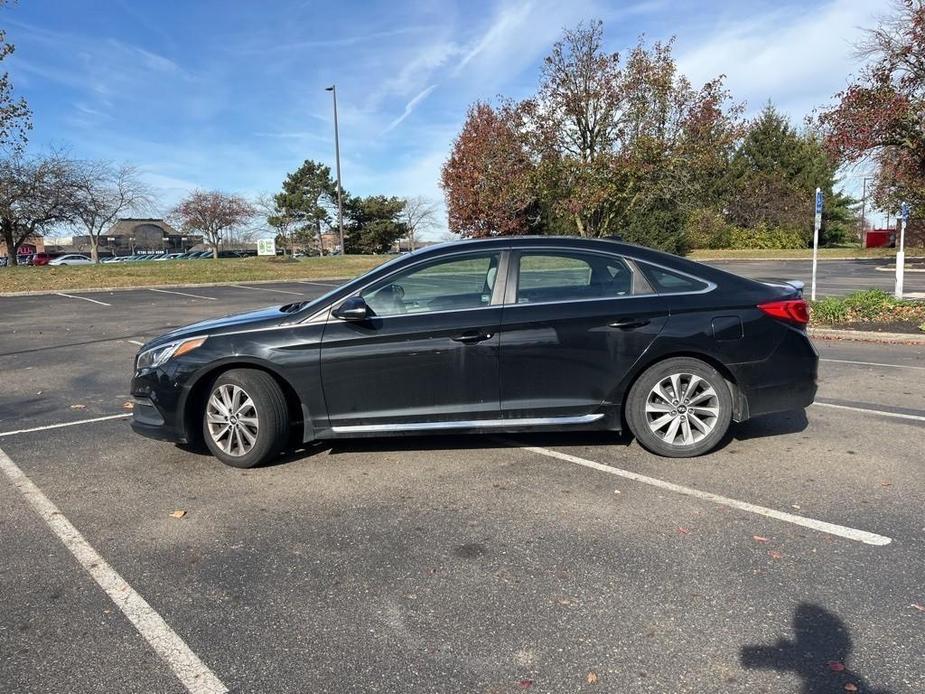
pixel 817 654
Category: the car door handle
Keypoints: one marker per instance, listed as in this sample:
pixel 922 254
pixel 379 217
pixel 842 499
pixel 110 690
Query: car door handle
pixel 629 323
pixel 472 338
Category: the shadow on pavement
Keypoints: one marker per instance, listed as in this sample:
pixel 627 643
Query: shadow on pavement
pixel 792 422
pixel 817 654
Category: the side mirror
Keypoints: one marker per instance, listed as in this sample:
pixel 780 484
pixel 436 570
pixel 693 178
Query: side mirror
pixel 353 308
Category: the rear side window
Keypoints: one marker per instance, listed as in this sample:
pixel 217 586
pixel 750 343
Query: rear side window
pixel 544 276
pixel 668 282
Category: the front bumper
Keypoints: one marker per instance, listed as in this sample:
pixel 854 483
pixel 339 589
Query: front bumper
pixel 158 395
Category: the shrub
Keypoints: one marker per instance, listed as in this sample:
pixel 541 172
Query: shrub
pixel 706 228
pixel 868 306
pixel 830 310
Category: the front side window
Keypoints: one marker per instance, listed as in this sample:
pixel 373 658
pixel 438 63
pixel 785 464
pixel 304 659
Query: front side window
pixel 445 285
pixel 544 276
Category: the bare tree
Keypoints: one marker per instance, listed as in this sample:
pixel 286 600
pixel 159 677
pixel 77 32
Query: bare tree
pixel 36 194
pixel 106 192
pixel 418 215
pixel 276 220
pixel 213 213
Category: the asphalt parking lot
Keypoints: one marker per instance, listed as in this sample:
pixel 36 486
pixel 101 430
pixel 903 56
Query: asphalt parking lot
pixel 789 560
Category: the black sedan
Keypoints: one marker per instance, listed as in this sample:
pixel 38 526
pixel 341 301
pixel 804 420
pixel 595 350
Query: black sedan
pixel 498 335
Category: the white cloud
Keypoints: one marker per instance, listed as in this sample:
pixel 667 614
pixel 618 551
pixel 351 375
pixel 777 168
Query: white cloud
pixel 798 58
pixel 410 106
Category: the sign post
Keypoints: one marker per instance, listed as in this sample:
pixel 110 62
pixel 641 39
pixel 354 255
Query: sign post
pixel 817 224
pixel 901 253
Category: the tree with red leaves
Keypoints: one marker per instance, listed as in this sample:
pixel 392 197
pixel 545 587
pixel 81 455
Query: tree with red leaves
pixel 487 177
pixel 882 114
pixel 213 213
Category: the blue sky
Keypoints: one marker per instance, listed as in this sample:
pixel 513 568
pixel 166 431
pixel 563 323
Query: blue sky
pixel 230 95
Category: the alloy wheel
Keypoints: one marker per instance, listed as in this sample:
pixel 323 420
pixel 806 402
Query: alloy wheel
pixel 232 419
pixel 682 409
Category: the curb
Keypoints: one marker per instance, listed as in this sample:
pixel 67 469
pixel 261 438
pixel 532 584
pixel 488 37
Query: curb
pixel 192 285
pixel 867 336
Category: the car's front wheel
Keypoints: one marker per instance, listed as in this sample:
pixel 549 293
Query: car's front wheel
pixel 245 420
pixel 680 407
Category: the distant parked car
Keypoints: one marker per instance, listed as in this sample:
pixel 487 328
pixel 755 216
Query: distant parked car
pixel 71 259
pixel 40 259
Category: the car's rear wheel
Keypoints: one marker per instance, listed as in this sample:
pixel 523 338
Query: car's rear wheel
pixel 245 421
pixel 680 407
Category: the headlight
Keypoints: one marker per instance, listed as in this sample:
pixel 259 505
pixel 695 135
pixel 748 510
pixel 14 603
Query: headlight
pixel 156 356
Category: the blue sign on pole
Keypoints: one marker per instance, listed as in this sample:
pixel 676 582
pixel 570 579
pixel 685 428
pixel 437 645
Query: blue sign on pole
pixel 904 211
pixel 818 202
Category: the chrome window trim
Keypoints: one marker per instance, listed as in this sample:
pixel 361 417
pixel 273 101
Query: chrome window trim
pixel 507 254
pixel 466 424
pixel 710 286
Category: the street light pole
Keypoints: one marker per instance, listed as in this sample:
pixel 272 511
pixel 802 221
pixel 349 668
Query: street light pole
pixel 340 204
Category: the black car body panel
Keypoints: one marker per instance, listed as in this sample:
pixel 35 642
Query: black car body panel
pixel 506 364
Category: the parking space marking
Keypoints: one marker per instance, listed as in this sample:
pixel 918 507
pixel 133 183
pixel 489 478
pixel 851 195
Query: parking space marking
pixel 194 296
pixel 821 526
pixel 186 665
pixel 264 289
pixel 83 298
pixel 66 424
pixel 867 410
pixel 873 363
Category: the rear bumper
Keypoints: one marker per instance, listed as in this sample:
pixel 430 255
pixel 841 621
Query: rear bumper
pixel 786 380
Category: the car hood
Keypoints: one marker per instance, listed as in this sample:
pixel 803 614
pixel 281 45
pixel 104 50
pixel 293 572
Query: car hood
pixel 261 318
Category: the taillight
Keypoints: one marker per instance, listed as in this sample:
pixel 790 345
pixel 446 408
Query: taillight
pixel 790 310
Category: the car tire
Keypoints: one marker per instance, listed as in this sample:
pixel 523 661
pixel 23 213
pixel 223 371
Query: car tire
pixel 245 421
pixel 669 419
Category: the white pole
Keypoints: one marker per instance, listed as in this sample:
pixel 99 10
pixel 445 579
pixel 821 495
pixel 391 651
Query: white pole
pixel 901 253
pixel 816 225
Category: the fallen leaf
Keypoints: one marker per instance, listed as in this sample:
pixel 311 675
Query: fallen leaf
pixel 128 405
pixel 835 666
pixel 886 483
pixel 526 684
pixel 617 491
pixel 920 608
pixel 758 538
pixel 78 407
pixel 774 554
pixel 591 678
pixel 178 514
pixel 683 531
pixel 796 506
pixel 850 687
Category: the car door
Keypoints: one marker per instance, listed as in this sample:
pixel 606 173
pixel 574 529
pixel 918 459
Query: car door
pixel 428 353
pixel 574 322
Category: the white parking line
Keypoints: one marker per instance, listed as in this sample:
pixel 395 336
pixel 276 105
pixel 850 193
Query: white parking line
pixel 83 298
pixel 66 424
pixel 186 665
pixel 194 296
pixel 865 410
pixel 821 526
pixel 264 289
pixel 873 363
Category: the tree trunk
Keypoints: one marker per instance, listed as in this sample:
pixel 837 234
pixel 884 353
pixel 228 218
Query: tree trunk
pixel 11 246
pixel 94 249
